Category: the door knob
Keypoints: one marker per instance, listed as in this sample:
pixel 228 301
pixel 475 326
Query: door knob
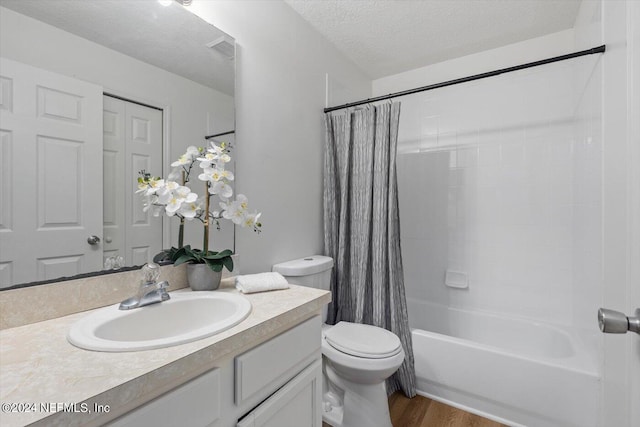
pixel 614 322
pixel 93 240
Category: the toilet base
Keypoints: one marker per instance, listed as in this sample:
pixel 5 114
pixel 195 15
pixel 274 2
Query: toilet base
pixel 354 405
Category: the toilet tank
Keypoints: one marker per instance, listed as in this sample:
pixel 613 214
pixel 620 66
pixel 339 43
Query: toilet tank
pixel 312 271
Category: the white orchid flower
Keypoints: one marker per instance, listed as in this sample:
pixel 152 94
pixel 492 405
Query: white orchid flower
pixel 187 158
pixel 234 211
pixel 189 210
pixel 172 185
pixel 221 188
pixel 193 151
pixel 224 158
pixel 214 174
pixel 207 160
pixel 251 220
pixel 215 149
pixel 151 186
pixel 185 194
pixel 171 198
pixel 242 199
pixel 182 160
pixel 228 175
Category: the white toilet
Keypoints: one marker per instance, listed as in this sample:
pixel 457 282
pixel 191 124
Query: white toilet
pixel 357 359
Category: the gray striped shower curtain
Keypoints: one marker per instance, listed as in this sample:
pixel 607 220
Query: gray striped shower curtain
pixel 362 227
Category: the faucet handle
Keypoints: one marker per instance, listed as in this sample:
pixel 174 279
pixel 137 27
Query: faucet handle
pixel 163 285
pixel 150 273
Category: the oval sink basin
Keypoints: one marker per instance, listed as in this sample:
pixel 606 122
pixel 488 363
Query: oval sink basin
pixel 184 318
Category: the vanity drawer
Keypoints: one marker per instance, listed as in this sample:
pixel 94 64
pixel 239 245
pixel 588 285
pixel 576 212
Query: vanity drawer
pixel 268 366
pixel 296 404
pixel 197 402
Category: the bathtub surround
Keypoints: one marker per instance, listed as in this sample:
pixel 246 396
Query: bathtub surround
pixel 362 226
pixel 500 180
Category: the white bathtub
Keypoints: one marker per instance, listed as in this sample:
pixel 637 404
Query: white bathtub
pixel 509 370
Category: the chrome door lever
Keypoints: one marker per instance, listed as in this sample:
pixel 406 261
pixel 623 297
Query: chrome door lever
pixel 614 322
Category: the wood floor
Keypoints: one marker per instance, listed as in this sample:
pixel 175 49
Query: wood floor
pixel 423 412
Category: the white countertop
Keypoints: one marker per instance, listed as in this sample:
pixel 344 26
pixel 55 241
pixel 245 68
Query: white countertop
pixel 40 371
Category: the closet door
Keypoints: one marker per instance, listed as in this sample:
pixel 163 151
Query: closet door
pixel 51 170
pixel 132 142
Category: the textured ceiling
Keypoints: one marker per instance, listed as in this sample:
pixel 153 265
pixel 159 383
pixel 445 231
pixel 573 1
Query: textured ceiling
pixel 385 37
pixel 168 37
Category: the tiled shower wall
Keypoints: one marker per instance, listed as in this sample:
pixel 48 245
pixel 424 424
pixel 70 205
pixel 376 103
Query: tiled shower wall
pixel 500 184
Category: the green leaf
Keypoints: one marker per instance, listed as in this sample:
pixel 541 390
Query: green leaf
pixel 178 253
pixel 215 256
pixel 215 266
pixel 184 258
pixel 228 263
pixel 226 252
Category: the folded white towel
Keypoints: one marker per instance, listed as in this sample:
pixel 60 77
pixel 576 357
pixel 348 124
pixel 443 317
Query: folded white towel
pixel 260 282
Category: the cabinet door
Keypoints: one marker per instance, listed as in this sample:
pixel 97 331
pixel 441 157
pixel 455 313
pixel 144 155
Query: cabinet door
pixel 296 404
pixel 194 404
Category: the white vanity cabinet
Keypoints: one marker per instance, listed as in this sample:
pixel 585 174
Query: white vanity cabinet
pixel 277 383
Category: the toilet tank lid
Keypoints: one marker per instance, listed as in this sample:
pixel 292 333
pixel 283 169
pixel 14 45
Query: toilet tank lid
pixel 304 266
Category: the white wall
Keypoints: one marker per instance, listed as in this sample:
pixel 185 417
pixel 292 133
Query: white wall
pixel 195 110
pixel 282 65
pixel 489 60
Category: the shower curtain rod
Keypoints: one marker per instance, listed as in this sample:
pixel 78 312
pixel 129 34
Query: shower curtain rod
pixel 599 49
pixel 220 134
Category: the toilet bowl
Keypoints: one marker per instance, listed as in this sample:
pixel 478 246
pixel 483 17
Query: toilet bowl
pixel 357 358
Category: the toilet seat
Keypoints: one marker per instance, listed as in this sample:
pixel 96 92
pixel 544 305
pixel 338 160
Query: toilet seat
pixel 365 341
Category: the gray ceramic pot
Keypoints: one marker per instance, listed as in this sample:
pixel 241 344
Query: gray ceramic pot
pixel 202 278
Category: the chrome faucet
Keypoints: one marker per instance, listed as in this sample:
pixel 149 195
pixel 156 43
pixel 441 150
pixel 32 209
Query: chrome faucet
pixel 150 291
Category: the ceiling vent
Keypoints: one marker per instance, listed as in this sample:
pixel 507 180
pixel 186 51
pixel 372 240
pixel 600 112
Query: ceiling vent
pixel 226 45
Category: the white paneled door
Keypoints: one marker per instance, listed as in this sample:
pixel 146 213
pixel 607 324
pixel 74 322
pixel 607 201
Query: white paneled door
pixel 51 174
pixel 132 142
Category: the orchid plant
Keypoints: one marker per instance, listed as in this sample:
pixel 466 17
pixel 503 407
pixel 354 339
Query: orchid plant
pixel 173 197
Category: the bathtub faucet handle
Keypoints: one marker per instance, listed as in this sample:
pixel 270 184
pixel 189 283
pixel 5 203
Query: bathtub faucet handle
pixel 614 322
